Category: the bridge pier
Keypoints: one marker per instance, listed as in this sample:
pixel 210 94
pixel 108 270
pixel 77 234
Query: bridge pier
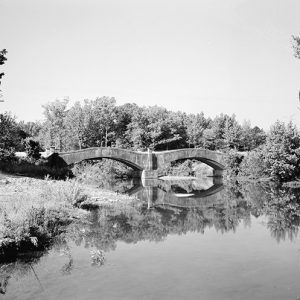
pixel 136 174
pixel 149 174
pixel 217 173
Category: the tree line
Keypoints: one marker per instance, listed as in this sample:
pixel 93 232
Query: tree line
pixel 101 122
pixel 278 158
pixel 250 151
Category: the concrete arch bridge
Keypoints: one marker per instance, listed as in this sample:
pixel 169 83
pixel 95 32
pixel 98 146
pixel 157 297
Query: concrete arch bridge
pixel 149 164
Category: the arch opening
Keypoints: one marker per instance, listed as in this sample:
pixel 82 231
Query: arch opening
pixel 208 162
pixel 133 166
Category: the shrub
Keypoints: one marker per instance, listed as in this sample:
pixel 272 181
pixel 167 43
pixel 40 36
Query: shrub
pixel 253 165
pixel 32 148
pixel 7 155
pixel 233 160
pixel 278 158
pixel 281 151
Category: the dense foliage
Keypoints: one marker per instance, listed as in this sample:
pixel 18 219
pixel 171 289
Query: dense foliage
pixel 11 136
pixel 101 122
pixel 3 58
pixel 277 158
pixel 32 149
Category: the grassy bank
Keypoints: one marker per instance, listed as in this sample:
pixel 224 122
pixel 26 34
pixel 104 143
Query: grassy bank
pixel 33 211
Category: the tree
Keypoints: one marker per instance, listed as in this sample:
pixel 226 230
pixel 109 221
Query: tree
pixel 156 128
pixel 233 160
pixel 296 46
pixel 221 133
pixel 123 119
pixel 32 148
pixel 254 164
pixel 251 138
pixel 100 117
pixel 195 126
pixel 209 138
pixel 9 137
pixel 105 113
pixel 232 133
pixel 246 136
pixel 282 151
pixel 137 131
pixel 31 129
pixel 2 61
pixel 54 127
pixel 258 137
pixel 76 126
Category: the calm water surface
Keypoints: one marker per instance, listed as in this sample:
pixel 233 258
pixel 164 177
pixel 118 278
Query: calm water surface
pixel 184 239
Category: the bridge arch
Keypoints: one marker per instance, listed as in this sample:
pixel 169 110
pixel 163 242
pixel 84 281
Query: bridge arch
pixel 213 159
pixel 125 162
pixel 129 158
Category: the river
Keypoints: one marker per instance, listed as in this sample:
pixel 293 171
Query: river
pixel 186 239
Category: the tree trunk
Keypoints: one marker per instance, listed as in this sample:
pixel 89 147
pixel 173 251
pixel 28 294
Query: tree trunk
pixel 105 137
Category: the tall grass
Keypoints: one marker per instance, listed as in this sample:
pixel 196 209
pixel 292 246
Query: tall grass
pixel 36 213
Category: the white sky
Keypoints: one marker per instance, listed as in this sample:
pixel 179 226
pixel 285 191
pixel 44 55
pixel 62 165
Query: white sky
pixel 232 56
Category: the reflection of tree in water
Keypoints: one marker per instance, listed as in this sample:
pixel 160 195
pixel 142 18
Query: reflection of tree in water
pixel 185 185
pixel 283 211
pixel 115 184
pixel 281 205
pixel 26 264
pixel 109 225
pixel 16 269
pixel 131 224
pixel 3 283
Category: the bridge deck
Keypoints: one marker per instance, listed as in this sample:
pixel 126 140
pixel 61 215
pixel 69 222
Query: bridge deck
pixel 146 161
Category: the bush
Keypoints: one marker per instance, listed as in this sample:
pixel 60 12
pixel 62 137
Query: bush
pixel 281 152
pixel 253 165
pixel 32 148
pixel 7 156
pixel 278 158
pixel 233 160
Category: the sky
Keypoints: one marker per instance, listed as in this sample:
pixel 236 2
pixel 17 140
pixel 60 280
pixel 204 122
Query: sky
pixel 210 56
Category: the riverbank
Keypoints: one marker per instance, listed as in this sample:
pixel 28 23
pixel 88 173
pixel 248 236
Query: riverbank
pixel 261 180
pixel 34 211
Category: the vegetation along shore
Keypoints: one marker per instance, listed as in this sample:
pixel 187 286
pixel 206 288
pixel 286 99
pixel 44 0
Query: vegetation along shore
pixel 33 212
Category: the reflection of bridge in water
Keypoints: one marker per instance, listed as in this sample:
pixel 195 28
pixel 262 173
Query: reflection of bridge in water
pixel 179 193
